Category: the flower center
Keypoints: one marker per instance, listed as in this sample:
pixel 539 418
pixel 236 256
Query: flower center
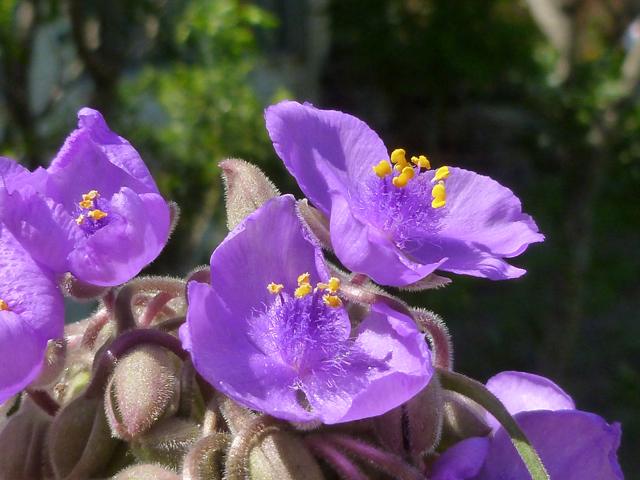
pixel 303 329
pixel 4 306
pixel 407 172
pixel 91 212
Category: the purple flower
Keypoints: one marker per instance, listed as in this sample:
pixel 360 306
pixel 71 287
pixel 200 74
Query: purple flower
pixel 573 445
pixel 399 224
pixel 95 212
pixel 271 333
pixel 31 313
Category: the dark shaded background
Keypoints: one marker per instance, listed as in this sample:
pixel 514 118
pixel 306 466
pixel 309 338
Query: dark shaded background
pixel 539 94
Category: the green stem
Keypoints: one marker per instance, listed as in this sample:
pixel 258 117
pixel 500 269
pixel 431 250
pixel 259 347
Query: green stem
pixel 478 392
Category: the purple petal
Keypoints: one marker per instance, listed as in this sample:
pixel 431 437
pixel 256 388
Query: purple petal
pixel 22 354
pixel 35 314
pixel 94 158
pixel 462 461
pixel 362 249
pixel 520 392
pixel 482 222
pixel 224 356
pixel 324 150
pixel 572 445
pixel 43 227
pixel 480 210
pixel 392 338
pixel 244 264
pixel 121 249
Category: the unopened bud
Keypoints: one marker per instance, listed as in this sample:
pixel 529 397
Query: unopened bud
pixel 415 425
pixel 22 443
pixel 281 455
pixel 146 472
pixel 143 388
pixel 316 222
pixel 79 440
pixel 167 442
pixel 246 189
pixel 463 418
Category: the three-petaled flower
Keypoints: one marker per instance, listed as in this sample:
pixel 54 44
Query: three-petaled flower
pixel 95 212
pixel 393 219
pixel 271 332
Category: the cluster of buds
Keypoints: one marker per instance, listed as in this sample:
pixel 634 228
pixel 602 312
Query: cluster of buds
pixel 271 362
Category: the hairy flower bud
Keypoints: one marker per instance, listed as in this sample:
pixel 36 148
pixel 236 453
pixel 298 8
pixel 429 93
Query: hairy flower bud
pixel 167 442
pixel 415 426
pixel 143 388
pixel 22 443
pixel 282 456
pixel 146 472
pixel 246 189
pixel 463 418
pixel 79 441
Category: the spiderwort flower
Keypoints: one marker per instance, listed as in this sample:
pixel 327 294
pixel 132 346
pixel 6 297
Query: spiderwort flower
pixel 95 212
pixel 31 313
pixel 573 445
pixel 271 332
pixel 393 219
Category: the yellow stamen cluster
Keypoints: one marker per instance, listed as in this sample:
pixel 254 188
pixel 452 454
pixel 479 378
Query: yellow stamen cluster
pixel 4 306
pixel 305 288
pixel 408 171
pixel 87 203
pixel 275 288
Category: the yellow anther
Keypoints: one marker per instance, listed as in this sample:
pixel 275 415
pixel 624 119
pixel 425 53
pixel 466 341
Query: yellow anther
pixel 302 290
pixel 87 199
pixel 439 196
pixel 421 161
pixel 382 169
pixel 409 172
pixel 401 181
pixel 96 214
pixel 80 219
pixel 332 301
pixel 442 172
pixel 275 288
pixel 304 278
pixel 334 284
pixel 398 156
pixel 4 306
